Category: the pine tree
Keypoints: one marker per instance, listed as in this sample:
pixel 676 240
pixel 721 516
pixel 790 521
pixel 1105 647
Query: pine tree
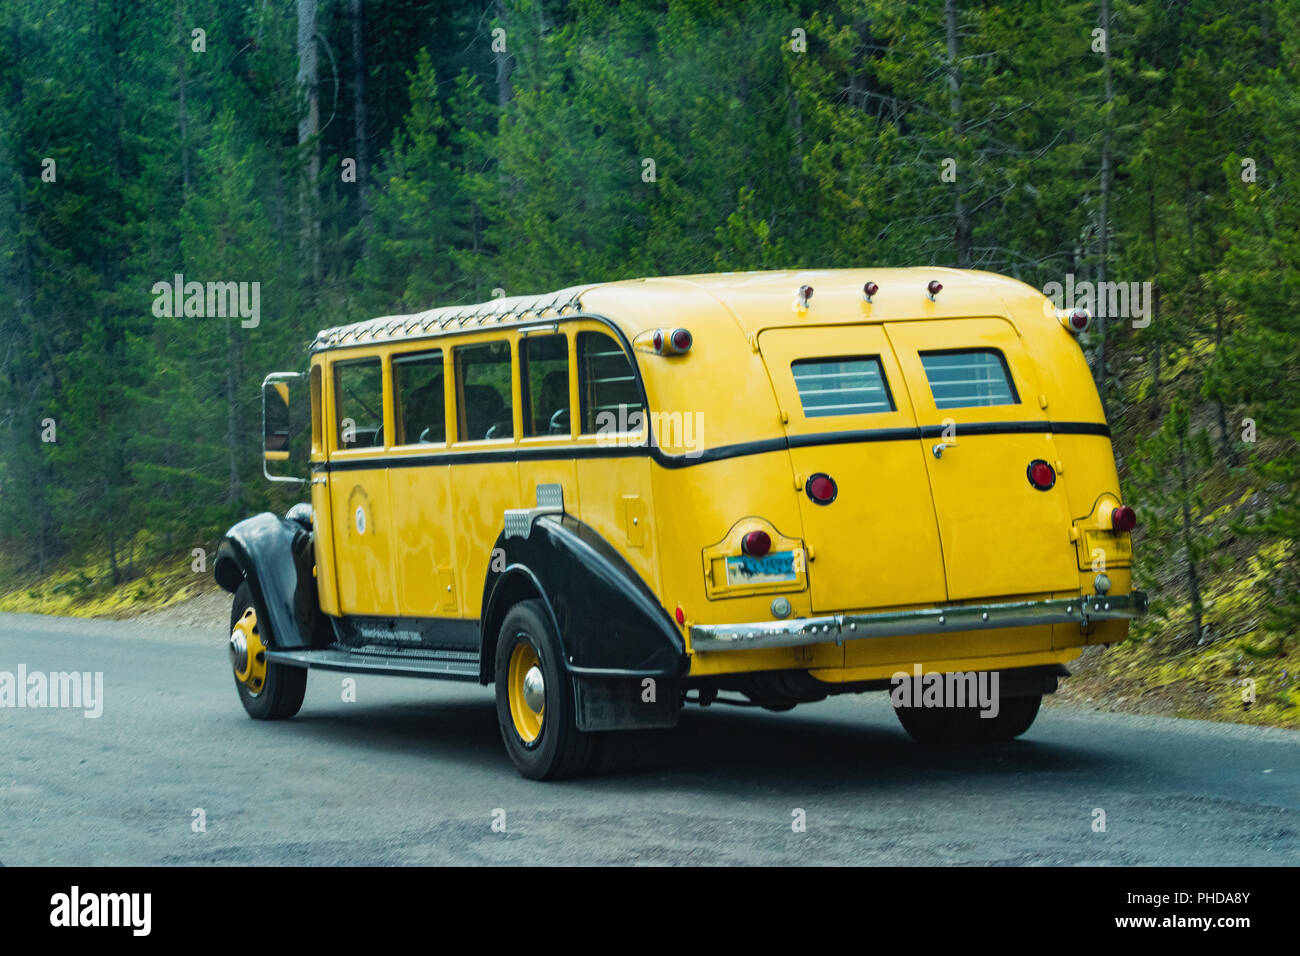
pixel 1169 474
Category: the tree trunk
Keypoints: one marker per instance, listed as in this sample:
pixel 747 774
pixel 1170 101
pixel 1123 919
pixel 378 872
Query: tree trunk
pixel 1154 304
pixel 505 92
pixel 1104 224
pixel 1193 578
pixel 961 218
pixel 112 554
pixel 308 130
pixel 1225 442
pixel 233 487
pixel 359 112
pixel 182 81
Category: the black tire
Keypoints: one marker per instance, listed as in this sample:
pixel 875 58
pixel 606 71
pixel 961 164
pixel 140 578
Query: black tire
pixel 559 750
pixel 955 726
pixel 282 695
pixel 940 726
pixel 1015 715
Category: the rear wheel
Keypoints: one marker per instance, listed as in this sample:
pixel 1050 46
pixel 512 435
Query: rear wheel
pixel 268 691
pixel 534 695
pixel 1015 714
pixel 953 726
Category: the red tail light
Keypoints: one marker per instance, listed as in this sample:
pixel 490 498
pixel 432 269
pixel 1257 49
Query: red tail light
pixel 756 544
pixel 821 488
pixel 933 288
pixel 1123 518
pixel 675 342
pixel 1041 475
pixel 869 290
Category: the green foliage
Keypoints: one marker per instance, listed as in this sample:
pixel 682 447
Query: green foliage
pixel 1167 474
pixel 610 141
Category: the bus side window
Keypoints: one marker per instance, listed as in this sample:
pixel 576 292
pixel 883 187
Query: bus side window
pixel 544 371
pixel 607 389
pixel 419 408
pixel 483 389
pixel 359 404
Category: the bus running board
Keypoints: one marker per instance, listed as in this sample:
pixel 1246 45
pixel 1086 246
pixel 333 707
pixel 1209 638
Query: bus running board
pixel 390 661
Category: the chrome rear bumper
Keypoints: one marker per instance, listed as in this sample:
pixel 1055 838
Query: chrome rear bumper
pixel 964 617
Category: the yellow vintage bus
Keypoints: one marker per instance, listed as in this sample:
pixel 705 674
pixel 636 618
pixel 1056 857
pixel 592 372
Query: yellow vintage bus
pixel 762 488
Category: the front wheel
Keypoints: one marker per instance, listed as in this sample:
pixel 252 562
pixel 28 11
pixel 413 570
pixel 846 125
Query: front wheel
pixel 268 691
pixel 534 696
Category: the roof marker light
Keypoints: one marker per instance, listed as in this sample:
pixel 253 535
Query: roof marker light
pixel 802 295
pixel 933 289
pixel 869 290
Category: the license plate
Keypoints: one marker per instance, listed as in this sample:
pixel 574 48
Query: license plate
pixel 1113 544
pixel 775 568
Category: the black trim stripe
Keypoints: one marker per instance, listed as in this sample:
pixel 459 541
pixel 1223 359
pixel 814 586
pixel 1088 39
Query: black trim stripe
pixel 722 452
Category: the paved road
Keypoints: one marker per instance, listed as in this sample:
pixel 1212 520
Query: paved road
pixel 413 771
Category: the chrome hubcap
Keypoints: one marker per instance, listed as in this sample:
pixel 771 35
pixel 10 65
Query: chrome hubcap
pixel 534 690
pixel 239 651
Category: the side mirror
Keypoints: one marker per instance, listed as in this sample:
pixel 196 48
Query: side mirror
pixel 277 426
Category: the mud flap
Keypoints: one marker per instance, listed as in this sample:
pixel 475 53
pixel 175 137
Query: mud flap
pixel 625 703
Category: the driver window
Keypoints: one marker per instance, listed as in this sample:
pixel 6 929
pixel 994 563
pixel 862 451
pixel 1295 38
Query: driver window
pixel 359 404
pixel 485 401
pixel 544 371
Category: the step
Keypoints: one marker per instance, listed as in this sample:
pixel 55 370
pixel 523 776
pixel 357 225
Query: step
pixel 393 661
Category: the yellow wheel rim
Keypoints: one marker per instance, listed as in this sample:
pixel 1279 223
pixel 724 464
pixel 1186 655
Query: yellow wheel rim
pixel 527 692
pixel 248 653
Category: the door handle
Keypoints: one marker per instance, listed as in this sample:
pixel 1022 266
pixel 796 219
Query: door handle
pixel 318 481
pixel 937 450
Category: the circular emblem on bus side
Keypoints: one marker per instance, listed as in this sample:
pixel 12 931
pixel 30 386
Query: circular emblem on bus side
pixel 361 520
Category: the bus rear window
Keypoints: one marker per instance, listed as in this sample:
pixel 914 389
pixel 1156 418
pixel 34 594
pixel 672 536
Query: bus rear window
pixel 970 377
pixel 841 386
pixel 607 387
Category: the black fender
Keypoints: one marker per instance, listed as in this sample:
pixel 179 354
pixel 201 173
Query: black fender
pixel 609 620
pixel 276 556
